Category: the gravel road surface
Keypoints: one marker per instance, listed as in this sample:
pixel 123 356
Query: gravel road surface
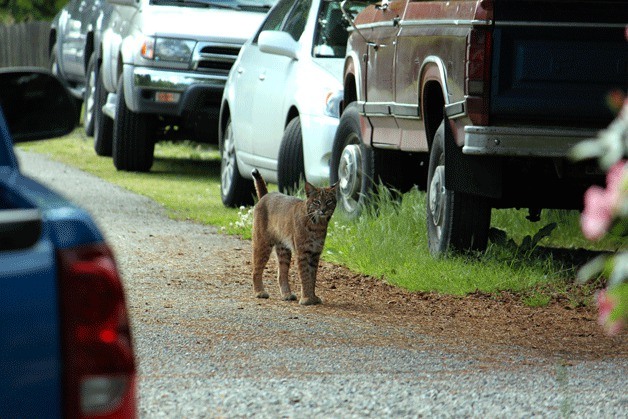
pixel 207 348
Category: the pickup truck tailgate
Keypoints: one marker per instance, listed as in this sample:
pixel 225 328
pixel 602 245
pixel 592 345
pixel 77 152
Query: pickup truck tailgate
pixel 555 62
pixel 29 332
pixel 30 340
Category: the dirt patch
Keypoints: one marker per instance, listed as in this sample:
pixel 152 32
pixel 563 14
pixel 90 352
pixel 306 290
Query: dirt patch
pixel 485 323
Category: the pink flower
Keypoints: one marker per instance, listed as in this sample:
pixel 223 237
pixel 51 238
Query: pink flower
pixel 606 303
pixel 600 205
pixel 597 215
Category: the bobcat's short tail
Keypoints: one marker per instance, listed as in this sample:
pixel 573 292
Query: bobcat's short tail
pixel 260 184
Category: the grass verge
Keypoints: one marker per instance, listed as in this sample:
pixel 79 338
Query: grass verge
pixel 390 244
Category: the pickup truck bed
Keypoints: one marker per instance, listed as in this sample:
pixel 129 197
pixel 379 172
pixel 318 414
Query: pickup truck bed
pixel 31 358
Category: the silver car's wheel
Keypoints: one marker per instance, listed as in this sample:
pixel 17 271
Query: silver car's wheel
pixel 228 160
pixel 350 177
pixel 234 189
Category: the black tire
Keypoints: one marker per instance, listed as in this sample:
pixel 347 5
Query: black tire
pixel 235 190
pixel 133 142
pixel 290 165
pixel 103 125
pixel 352 164
pixel 91 79
pixel 456 221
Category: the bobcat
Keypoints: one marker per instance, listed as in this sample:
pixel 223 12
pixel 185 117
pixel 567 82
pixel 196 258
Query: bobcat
pixel 290 224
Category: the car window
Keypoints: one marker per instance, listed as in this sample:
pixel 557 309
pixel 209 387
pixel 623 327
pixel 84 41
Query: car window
pixel 289 16
pixel 275 18
pixel 296 20
pixel 330 38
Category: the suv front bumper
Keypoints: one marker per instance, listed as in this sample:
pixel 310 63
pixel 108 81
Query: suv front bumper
pixel 172 93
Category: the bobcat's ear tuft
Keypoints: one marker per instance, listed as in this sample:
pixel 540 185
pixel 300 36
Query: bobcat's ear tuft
pixel 309 189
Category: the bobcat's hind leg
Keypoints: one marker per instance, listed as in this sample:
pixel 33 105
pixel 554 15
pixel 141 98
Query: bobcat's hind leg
pixel 261 254
pixel 284 256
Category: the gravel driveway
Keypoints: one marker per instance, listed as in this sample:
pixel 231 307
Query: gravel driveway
pixel 207 348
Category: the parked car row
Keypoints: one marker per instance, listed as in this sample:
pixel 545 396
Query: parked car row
pixel 476 102
pixel 151 69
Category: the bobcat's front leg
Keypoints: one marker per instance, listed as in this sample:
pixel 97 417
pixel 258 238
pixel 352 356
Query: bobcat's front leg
pixel 308 267
pixel 284 256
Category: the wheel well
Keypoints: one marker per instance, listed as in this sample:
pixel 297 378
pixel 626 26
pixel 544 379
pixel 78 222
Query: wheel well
pixel 120 69
pixel 225 113
pixel 52 40
pixel 292 113
pixel 89 49
pixel 433 106
pixel 350 92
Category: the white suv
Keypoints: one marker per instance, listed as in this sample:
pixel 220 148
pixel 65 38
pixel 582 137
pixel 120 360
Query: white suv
pixel 164 66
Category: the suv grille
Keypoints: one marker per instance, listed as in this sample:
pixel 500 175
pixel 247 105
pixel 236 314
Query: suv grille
pixel 212 57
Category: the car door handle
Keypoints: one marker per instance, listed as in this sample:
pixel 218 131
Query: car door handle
pixel 240 70
pixel 262 76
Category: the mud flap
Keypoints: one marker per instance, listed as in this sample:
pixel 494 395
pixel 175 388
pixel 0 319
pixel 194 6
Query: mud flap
pixel 475 175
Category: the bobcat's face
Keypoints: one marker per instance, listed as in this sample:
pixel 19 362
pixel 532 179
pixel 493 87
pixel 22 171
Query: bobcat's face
pixel 321 203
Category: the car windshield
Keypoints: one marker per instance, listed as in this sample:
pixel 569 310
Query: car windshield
pixel 250 5
pixel 330 39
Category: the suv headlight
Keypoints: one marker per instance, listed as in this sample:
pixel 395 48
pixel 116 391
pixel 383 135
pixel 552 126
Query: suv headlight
pixel 167 49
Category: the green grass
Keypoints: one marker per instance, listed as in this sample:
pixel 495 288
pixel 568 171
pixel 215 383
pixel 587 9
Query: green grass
pixel 390 243
pixel 184 178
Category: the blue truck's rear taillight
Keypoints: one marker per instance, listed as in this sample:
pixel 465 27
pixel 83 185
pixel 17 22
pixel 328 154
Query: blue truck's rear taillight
pixel 98 358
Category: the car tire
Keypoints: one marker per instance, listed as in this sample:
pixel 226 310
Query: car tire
pixel 456 221
pixel 91 79
pixel 290 165
pixel 352 164
pixel 235 190
pixel 103 125
pixel 133 142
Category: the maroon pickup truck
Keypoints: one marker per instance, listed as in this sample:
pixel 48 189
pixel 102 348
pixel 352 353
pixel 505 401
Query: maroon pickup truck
pixel 478 103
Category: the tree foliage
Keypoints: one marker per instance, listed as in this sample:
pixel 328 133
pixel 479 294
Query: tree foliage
pixel 15 11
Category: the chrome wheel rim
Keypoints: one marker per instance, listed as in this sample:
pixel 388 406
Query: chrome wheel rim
pixel 350 177
pixel 437 198
pixel 228 161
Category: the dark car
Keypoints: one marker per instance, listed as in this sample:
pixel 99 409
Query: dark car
pixel 75 48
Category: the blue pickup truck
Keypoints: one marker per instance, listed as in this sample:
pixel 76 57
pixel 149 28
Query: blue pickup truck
pixel 65 340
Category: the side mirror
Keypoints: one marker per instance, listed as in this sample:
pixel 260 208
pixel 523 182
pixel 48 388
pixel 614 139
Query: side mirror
pixel 35 104
pixel 278 43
